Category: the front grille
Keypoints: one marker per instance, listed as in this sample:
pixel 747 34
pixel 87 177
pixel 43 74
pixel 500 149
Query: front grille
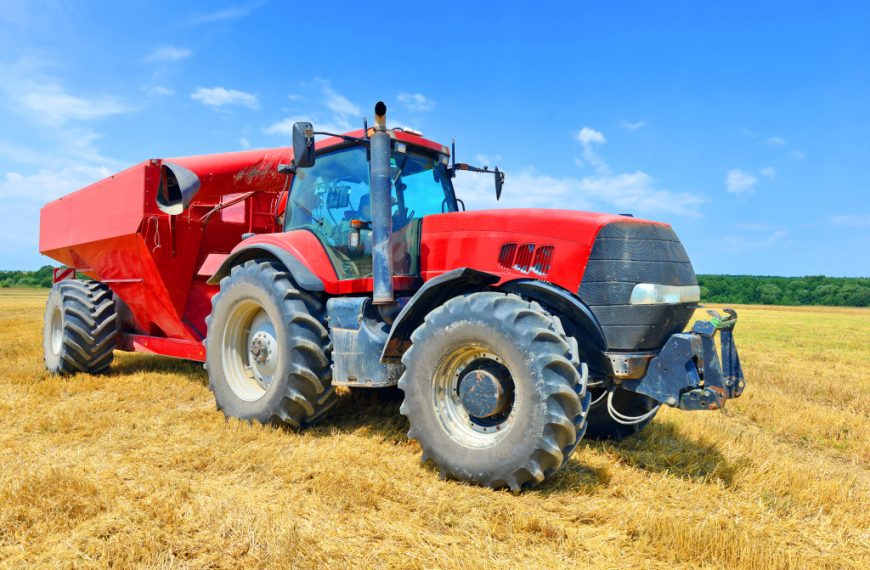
pixel 623 255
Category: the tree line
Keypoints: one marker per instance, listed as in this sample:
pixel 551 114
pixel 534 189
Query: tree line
pixel 746 289
pixel 811 290
pixel 42 277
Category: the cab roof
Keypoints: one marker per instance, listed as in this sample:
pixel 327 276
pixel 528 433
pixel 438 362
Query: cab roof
pixel 398 134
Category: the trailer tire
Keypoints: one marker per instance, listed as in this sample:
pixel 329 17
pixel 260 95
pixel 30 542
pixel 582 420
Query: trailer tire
pixel 81 328
pixel 267 351
pixel 602 426
pixel 531 432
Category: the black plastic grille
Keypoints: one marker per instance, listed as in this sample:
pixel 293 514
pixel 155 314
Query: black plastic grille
pixel 623 255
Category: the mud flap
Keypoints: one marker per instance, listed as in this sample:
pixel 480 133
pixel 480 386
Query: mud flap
pixel 687 373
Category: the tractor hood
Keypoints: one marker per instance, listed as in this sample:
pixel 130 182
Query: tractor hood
pixel 568 225
pixel 600 258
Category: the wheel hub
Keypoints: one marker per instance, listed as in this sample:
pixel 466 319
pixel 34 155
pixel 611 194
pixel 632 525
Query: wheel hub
pixel 482 393
pixel 473 396
pixel 262 349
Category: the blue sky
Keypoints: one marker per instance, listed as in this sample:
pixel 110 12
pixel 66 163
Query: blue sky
pixel 744 125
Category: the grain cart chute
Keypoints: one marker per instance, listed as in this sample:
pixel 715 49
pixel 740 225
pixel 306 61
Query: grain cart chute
pixel 351 262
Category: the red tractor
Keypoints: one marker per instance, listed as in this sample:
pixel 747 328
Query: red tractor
pixel 352 262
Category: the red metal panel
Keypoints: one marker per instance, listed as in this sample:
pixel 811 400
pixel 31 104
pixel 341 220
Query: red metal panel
pixel 476 239
pixel 306 247
pixel 191 350
pixel 211 264
pixel 96 212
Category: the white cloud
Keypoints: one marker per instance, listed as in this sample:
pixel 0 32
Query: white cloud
pixel 588 136
pixel 284 127
pixel 339 104
pixel 744 242
pixel 45 101
pixel 229 13
pixel 244 143
pixel 775 141
pixel 798 154
pixel 221 97
pixel 851 220
pixel 487 160
pixel 623 192
pixel 60 154
pixel 768 172
pixel 630 192
pixel 739 181
pixel 415 102
pixel 633 126
pixel 159 91
pixel 330 111
pixel 168 53
pixel 48 184
pixel 52 105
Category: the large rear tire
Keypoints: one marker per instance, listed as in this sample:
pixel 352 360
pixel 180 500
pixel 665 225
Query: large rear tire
pixel 267 350
pixel 81 328
pixel 525 367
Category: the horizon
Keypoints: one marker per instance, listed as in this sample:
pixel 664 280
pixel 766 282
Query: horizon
pixel 723 121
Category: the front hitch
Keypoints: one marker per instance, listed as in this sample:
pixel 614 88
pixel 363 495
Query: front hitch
pixel 687 373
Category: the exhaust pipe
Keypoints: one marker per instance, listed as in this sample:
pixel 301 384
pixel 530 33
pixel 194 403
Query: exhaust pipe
pixel 382 208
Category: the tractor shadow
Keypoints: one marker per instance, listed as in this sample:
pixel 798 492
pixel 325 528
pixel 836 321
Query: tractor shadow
pixel 660 448
pixel 374 412
pixel 663 448
pixel 139 363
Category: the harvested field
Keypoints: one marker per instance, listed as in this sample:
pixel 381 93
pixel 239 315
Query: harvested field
pixel 138 469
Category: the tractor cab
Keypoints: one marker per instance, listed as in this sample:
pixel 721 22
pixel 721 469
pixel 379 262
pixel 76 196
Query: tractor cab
pixel 332 199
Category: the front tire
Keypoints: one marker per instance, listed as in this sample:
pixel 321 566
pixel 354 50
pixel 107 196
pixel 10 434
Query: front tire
pixel 266 352
pixel 529 413
pixel 81 328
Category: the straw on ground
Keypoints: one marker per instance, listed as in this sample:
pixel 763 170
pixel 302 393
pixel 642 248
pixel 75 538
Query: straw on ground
pixel 138 469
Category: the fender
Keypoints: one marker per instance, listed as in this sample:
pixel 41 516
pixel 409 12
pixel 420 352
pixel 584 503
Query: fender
pixel 301 275
pixel 576 317
pixel 432 294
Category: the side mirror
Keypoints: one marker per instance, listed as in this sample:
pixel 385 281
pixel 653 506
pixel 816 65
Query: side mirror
pixel 303 144
pixel 499 182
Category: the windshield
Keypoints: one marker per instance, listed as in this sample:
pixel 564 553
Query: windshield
pixel 326 197
pixel 336 188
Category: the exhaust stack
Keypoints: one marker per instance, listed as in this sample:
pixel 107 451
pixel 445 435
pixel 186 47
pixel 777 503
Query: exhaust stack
pixel 382 207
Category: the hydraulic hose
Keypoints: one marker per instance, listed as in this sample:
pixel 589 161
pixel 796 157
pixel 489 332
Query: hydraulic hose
pixel 627 420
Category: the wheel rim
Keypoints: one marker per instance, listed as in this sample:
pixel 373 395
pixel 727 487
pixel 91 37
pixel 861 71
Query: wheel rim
pixel 56 330
pixel 462 365
pixel 249 350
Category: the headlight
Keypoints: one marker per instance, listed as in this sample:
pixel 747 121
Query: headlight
pixel 655 294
